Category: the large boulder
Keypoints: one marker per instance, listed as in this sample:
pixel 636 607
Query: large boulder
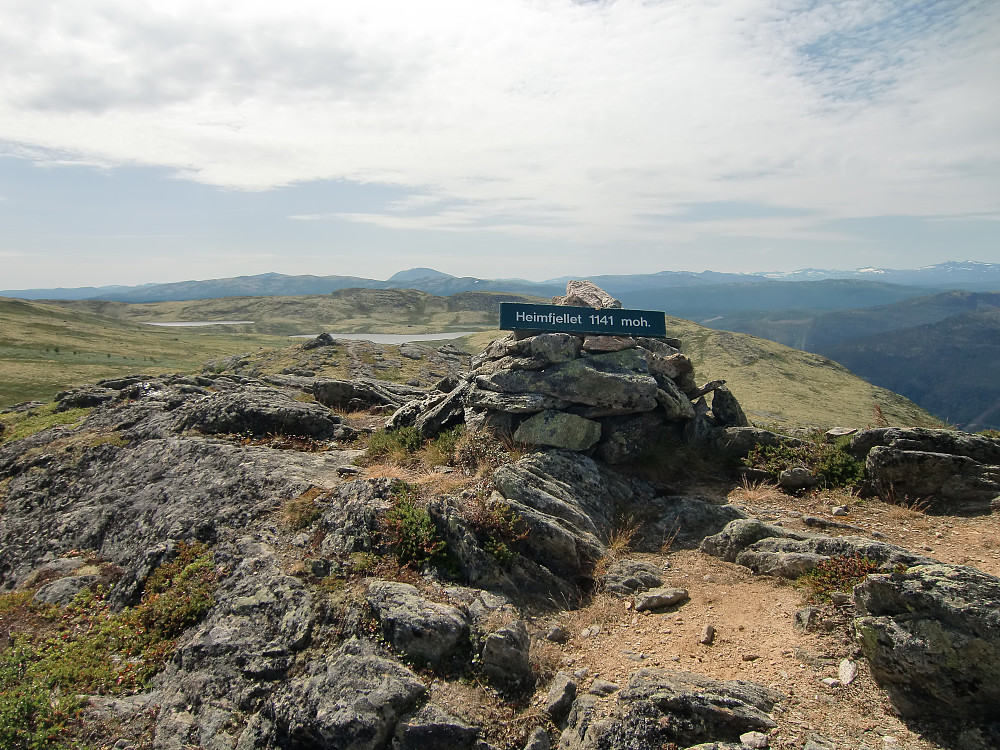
pixel 772 550
pixel 581 293
pixel 949 471
pixel 931 634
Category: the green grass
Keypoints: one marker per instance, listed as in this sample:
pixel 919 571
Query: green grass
pixel 47 347
pixel 19 425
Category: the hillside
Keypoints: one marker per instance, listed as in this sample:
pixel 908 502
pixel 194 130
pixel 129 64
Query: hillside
pixel 777 385
pixel 344 311
pixel 45 348
pixel 951 367
pixel 941 351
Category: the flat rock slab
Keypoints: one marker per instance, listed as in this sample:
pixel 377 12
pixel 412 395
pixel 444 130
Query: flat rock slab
pixel 655 599
pixel 662 708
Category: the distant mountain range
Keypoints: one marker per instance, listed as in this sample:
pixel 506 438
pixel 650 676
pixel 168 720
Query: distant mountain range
pixel 967 275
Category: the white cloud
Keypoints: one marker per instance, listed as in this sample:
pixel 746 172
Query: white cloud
pixel 543 118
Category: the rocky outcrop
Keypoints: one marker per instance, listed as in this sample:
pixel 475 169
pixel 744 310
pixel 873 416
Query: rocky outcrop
pixel 662 708
pixel 610 396
pixel 931 634
pixel 773 550
pixel 945 470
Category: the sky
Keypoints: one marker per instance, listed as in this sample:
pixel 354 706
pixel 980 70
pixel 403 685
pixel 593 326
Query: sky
pixel 192 139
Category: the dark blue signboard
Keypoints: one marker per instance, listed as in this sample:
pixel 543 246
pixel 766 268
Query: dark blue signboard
pixel 515 316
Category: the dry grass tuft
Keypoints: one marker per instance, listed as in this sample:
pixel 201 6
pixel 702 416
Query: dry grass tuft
pixel 756 493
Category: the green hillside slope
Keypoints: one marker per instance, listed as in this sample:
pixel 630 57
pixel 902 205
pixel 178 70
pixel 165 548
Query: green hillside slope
pixel 45 348
pixel 952 366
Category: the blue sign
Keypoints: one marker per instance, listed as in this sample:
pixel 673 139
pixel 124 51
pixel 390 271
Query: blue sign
pixel 516 316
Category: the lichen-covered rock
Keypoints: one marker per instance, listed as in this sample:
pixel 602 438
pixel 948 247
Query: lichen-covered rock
pixel 352 700
pixel 772 550
pixel 421 629
pixel 505 659
pixel 627 577
pixel 931 635
pixel 659 708
pixel 261 411
pixel 558 430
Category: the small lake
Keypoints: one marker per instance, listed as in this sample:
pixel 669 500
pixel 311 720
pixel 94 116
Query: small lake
pixel 199 323
pixel 375 338
pixel 390 338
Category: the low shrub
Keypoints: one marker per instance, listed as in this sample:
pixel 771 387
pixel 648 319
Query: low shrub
pixel 31 718
pixel 497 527
pixel 830 461
pixel 409 531
pixel 396 445
pixel 441 450
pixel 840 573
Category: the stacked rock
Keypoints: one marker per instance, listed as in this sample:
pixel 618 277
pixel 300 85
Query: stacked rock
pixel 613 395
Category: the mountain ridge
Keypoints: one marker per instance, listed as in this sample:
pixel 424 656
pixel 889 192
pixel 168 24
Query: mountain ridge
pixel 970 275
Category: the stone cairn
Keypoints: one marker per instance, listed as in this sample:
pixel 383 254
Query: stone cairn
pixel 611 396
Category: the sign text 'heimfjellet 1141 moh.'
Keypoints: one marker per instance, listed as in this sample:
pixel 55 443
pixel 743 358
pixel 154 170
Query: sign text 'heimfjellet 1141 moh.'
pixel 515 316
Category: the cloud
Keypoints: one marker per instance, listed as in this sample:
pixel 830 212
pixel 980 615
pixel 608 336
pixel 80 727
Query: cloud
pixel 543 118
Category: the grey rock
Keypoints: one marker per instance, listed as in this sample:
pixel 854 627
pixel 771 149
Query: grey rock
pixel 931 635
pixel 655 599
pixel 447 411
pixel 947 482
pixel 420 629
pixel 674 403
pixel 547 348
pixel 627 577
pixel 707 635
pixel 740 534
pixel 616 380
pixel 797 478
pixel 505 659
pixel 260 410
pixel 628 437
pixel 351 701
pixel 364 392
pixel 789 557
pixel 519 403
pixel 560 696
pixel 754 740
pixel 85 397
pixel 432 728
pixel 324 339
pixel 603 688
pixel 660 706
pixel 538 740
pixel 63 590
pixel 727 410
pixel 559 430
pixel 580 293
pixel 607 343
